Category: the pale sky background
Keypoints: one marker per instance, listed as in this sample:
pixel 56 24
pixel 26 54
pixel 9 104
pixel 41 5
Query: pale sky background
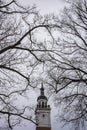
pixel 45 7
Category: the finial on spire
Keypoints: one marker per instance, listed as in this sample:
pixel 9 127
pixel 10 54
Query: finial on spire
pixel 42 86
pixel 42 89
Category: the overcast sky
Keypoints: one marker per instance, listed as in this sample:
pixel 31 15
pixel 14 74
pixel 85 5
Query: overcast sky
pixel 45 7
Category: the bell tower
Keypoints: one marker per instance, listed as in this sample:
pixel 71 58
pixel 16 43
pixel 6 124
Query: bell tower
pixel 42 112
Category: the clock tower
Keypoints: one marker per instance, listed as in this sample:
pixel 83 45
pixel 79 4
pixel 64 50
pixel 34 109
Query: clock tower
pixel 43 112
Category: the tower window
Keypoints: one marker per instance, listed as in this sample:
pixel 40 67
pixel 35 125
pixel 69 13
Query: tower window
pixel 42 104
pixel 45 104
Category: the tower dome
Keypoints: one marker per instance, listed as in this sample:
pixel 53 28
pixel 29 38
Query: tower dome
pixel 42 96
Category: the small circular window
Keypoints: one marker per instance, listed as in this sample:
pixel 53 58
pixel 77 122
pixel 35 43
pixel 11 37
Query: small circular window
pixel 43 115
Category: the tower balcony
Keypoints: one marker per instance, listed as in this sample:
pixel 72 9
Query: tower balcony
pixel 43 107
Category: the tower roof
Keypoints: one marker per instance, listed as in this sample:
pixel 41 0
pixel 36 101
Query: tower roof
pixel 42 96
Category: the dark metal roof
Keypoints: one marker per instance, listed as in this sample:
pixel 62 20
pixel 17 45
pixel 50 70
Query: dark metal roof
pixel 42 97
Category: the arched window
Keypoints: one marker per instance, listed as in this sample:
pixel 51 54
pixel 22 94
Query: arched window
pixel 45 104
pixel 42 104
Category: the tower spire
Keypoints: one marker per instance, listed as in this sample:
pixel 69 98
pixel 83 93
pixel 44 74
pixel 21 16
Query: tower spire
pixel 42 90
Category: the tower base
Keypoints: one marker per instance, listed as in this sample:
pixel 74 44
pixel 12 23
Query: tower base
pixel 43 128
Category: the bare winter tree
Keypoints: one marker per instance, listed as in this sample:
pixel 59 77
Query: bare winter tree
pixel 27 42
pixel 68 65
pixel 23 46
